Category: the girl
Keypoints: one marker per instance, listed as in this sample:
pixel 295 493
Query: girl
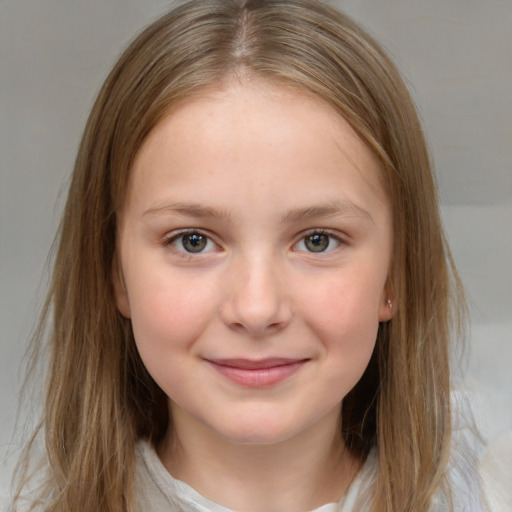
pixel 252 298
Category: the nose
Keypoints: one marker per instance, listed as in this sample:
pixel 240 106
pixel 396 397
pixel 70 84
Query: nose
pixel 257 301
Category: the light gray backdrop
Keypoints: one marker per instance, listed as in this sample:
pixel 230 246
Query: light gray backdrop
pixel 457 54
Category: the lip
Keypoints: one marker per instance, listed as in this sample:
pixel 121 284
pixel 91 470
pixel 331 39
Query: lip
pixel 257 373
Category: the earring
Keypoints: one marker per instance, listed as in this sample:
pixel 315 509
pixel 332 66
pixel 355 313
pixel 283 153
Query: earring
pixel 390 303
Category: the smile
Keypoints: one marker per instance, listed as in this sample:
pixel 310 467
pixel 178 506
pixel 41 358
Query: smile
pixel 260 373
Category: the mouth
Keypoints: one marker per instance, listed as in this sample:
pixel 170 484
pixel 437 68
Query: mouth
pixel 257 373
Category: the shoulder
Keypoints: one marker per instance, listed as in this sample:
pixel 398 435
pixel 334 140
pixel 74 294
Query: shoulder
pixel 463 489
pixel 154 487
pixel 496 472
pixel 157 491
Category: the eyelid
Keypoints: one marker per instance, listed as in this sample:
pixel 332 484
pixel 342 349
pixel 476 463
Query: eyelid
pixel 170 238
pixel 340 239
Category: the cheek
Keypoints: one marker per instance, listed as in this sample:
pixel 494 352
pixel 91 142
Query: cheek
pixel 348 333
pixel 349 302
pixel 168 318
pixel 343 314
pixel 169 313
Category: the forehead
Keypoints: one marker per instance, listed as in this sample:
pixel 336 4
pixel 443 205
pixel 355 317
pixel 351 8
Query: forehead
pixel 252 133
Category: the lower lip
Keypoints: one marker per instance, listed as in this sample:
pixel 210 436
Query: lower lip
pixel 258 377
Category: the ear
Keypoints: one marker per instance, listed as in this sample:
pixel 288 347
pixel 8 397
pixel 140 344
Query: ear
pixel 388 306
pixel 121 295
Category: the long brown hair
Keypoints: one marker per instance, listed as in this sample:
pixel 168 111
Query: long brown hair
pixel 100 399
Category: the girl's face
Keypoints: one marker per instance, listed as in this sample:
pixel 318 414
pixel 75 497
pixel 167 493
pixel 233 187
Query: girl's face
pixel 254 247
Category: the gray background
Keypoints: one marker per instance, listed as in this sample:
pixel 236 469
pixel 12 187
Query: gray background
pixel 457 56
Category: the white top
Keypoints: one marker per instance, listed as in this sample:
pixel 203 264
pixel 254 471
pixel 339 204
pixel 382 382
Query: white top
pixel 158 491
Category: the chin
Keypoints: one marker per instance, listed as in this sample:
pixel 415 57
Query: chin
pixel 261 432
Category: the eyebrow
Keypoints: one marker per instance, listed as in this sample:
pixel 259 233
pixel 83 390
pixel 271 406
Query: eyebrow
pixel 343 208
pixel 190 210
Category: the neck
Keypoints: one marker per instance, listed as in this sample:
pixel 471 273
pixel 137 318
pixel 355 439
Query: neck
pixel 300 473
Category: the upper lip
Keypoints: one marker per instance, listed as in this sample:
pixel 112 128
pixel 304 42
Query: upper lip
pixel 256 364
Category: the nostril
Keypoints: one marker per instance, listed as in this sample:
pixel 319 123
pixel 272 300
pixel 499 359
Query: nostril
pixel 275 326
pixel 237 326
pixel 263 331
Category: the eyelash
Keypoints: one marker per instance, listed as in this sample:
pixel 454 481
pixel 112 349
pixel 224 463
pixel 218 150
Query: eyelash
pixel 171 240
pixel 320 232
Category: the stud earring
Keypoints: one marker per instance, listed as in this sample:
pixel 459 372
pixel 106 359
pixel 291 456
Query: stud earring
pixel 390 303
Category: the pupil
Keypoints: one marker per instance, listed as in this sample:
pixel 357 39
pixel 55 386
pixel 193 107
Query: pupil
pixel 194 242
pixel 317 243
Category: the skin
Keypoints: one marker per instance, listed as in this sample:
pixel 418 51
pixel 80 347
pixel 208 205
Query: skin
pixel 256 168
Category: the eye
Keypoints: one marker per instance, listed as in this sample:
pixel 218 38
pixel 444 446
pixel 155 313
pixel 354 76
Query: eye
pixel 317 241
pixel 192 243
